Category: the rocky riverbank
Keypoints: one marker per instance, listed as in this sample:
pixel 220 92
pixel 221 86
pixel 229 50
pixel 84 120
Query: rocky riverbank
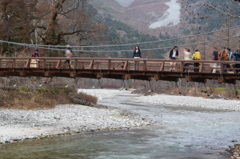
pixel 171 101
pixel 188 102
pixel 18 125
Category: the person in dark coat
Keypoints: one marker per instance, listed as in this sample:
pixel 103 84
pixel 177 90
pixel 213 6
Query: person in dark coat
pixel 174 53
pixel 137 55
pixel 173 56
pixel 137 52
pixel 34 62
pixel 35 54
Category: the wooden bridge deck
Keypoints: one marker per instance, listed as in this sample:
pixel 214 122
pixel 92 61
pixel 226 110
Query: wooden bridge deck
pixel 143 69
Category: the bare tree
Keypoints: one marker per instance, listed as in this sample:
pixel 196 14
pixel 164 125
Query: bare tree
pixel 16 22
pixel 47 22
pixel 61 18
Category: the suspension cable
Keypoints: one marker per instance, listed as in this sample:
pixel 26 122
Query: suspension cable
pixel 117 45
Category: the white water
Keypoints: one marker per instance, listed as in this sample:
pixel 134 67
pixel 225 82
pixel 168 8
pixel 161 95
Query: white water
pixel 170 18
pixel 125 3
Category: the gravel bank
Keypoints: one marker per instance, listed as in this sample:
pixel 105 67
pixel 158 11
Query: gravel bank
pixel 171 100
pixel 190 102
pixel 18 125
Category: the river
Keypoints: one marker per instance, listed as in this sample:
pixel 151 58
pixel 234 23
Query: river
pixel 176 134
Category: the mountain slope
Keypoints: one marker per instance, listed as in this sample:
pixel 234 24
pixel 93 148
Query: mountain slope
pixel 145 16
pixel 172 17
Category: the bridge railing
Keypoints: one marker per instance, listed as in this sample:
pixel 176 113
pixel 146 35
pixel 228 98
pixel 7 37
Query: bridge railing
pixel 154 65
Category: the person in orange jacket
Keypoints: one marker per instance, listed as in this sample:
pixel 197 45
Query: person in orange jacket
pixel 223 56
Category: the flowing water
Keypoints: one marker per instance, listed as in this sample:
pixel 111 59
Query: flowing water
pixel 176 134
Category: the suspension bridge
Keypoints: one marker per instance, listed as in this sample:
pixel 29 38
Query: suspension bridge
pixel 129 68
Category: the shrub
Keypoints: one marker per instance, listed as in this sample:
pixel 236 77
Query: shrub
pixel 41 98
pixel 88 98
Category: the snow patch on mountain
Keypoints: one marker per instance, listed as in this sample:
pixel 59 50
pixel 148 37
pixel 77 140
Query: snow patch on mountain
pixel 171 16
pixel 125 3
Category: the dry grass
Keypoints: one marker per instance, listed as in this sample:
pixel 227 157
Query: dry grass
pixel 88 98
pixel 42 98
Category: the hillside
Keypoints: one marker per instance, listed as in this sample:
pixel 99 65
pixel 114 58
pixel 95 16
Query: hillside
pixel 172 17
pixel 141 15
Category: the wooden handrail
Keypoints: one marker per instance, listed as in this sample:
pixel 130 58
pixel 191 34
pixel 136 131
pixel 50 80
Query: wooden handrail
pixel 161 65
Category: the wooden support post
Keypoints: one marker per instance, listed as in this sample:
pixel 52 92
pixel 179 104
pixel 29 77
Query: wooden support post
pixel 27 65
pixel 58 64
pixel 188 78
pixel 162 66
pixel 125 65
pixel 109 64
pixel 144 65
pixel 75 64
pixel 99 75
pixel 44 63
pixel 221 67
pixel 201 67
pixel 22 73
pixel 127 76
pixel 73 74
pixel 182 67
pixel 91 65
pixel 156 77
pixel 14 63
pixel 47 74
pixel 221 80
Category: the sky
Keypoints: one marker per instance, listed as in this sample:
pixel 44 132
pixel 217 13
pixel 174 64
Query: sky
pixel 125 3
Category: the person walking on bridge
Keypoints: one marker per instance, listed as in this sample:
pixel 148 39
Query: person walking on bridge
pixel 34 62
pixel 137 55
pixel 231 58
pixel 137 52
pixel 214 58
pixel 173 56
pixel 187 56
pixel 68 54
pixel 196 56
pixel 237 58
pixel 223 56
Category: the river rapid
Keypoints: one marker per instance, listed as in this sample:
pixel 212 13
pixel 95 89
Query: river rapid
pixel 177 133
